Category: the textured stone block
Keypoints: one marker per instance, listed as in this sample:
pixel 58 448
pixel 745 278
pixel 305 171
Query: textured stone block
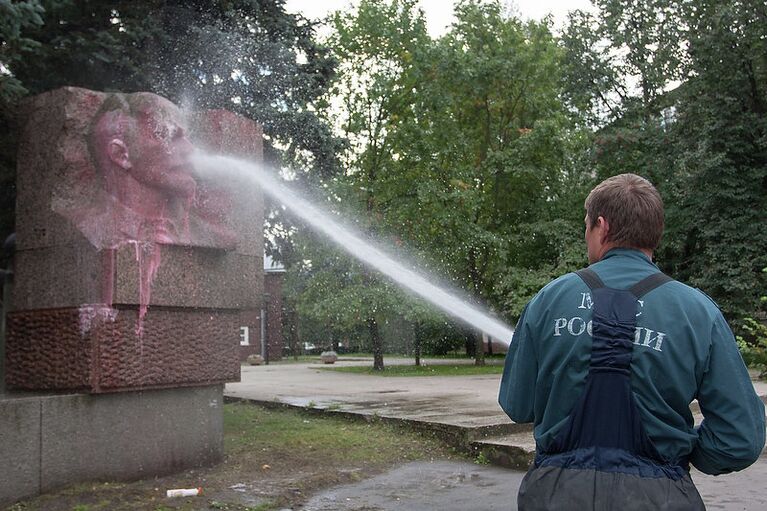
pixel 55 277
pixel 51 162
pixel 58 182
pixel 226 133
pixel 19 448
pixel 192 263
pixel 96 349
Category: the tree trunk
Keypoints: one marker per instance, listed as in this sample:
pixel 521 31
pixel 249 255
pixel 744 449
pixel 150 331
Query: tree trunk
pixel 469 344
pixel 417 343
pixel 375 342
pixel 479 351
pixel 292 328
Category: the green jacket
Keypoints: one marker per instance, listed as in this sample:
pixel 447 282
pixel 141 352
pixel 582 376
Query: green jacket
pixel 683 350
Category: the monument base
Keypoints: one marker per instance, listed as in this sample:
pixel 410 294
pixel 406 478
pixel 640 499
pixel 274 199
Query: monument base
pixel 51 441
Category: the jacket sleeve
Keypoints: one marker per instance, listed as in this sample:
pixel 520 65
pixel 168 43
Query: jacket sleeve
pixel 517 394
pixel 731 436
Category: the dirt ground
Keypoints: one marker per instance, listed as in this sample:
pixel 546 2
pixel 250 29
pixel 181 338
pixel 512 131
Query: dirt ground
pixel 233 485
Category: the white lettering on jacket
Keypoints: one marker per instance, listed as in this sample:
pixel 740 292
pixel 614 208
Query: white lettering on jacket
pixel 577 326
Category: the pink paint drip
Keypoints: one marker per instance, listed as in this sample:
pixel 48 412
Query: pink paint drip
pixel 108 277
pixel 148 257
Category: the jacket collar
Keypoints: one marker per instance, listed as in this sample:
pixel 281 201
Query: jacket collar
pixel 631 253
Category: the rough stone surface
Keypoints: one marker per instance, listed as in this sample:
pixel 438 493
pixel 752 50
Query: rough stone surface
pixel 129 436
pixel 226 133
pixel 49 159
pixel 191 277
pixel 54 160
pixel 76 271
pixel 96 349
pixel 19 448
pixel 187 277
pixel 255 360
pixel 328 357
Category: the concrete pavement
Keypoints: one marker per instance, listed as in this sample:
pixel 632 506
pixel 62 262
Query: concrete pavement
pixel 465 410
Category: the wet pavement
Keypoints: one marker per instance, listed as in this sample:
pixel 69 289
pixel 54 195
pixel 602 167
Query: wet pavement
pixel 469 401
pixel 464 403
pixel 458 486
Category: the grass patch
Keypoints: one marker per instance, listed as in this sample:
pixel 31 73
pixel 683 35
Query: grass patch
pixel 430 370
pixel 285 437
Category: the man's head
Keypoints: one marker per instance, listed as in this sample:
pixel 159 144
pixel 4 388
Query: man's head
pixel 139 141
pixel 623 211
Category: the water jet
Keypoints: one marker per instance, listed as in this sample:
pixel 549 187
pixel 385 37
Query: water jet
pixel 366 252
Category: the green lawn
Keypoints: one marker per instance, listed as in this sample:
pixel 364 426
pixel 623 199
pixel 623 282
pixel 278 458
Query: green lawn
pixel 286 438
pixel 430 370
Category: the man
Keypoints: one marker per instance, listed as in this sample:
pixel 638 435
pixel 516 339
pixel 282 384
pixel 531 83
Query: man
pixel 605 363
pixel 141 188
pixel 137 188
pixel 140 146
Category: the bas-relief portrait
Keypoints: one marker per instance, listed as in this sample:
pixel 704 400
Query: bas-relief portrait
pixel 142 189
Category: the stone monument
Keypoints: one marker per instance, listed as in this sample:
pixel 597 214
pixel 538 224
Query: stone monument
pixel 133 278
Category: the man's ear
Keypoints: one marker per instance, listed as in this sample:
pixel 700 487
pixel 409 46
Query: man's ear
pixel 117 152
pixel 605 227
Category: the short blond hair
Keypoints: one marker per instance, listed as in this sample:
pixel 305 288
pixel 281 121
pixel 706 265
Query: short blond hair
pixel 632 207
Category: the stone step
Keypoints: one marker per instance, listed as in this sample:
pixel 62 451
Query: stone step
pixel 515 450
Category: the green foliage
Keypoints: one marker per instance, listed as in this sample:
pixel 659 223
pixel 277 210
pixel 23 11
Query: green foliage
pixel 374 45
pixel 460 153
pixel 16 20
pixel 720 171
pixel 481 459
pixel 753 344
pixel 704 143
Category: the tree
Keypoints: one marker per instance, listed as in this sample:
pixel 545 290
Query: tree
pixel 694 125
pixel 458 153
pixel 17 19
pixel 374 44
pixel 482 165
pixel 719 131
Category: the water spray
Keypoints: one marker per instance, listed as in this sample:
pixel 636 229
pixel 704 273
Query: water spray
pixel 366 252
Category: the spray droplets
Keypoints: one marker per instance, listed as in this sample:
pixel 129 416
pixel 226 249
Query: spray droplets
pixel 253 175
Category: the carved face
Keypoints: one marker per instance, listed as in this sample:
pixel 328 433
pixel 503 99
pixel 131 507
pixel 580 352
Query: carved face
pixel 160 151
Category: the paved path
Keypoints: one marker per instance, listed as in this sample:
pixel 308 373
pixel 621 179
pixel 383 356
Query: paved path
pixel 468 400
pixel 465 401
